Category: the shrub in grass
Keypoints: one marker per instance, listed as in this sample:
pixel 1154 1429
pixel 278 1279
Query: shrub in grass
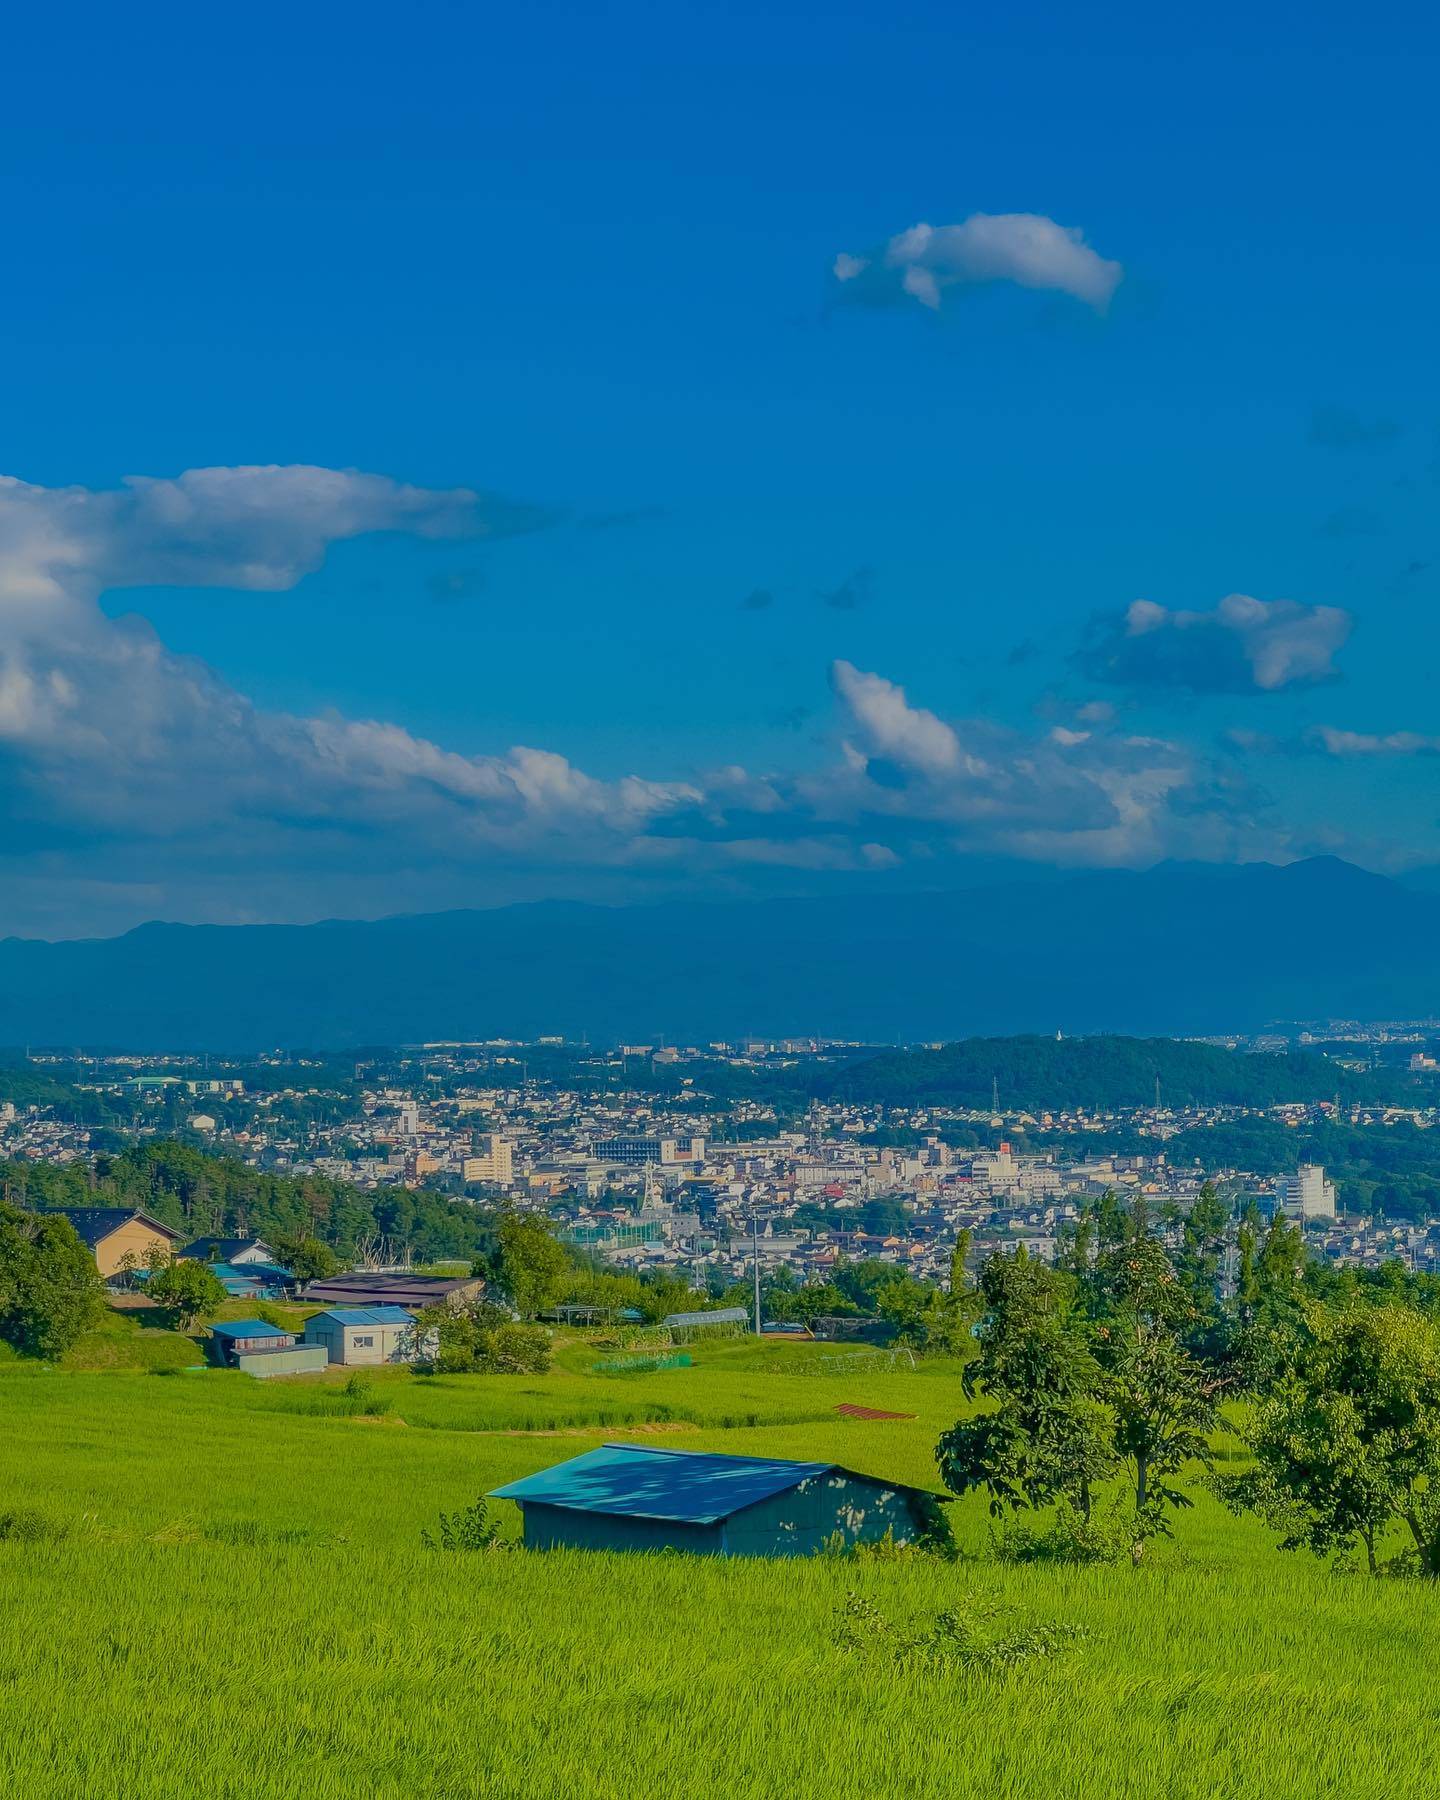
pixel 471 1528
pixel 364 1398
pixel 27 1525
pixel 972 1640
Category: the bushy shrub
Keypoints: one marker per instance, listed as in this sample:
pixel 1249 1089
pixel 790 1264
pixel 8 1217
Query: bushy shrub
pixel 481 1340
pixel 973 1641
pixel 471 1528
pixel 1068 1537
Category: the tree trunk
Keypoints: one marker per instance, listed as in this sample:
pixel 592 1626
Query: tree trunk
pixel 1429 1553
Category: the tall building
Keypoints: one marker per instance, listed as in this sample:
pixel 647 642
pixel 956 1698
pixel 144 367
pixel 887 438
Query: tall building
pixel 494 1161
pixel 1306 1194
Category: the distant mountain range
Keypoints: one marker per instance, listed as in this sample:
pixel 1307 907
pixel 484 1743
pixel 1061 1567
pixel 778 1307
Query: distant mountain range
pixel 1176 949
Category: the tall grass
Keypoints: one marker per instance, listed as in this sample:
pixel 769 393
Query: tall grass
pixel 230 1597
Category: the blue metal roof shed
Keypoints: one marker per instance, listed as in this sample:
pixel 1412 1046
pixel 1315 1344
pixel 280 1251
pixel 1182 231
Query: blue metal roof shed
pixel 368 1315
pixel 633 1497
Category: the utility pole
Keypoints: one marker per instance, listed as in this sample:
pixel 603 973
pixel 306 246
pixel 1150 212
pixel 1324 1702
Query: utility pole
pixel 755 1262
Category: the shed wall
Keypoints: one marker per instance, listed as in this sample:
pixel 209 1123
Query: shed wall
pixel 797 1523
pixel 300 1359
pixel 556 1527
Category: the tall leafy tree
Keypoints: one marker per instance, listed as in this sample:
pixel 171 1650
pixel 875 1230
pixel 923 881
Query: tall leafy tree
pixel 1347 1442
pixel 50 1292
pixel 1049 1436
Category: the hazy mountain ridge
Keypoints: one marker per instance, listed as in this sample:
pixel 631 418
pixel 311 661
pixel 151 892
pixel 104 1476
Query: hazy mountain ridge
pixel 1171 950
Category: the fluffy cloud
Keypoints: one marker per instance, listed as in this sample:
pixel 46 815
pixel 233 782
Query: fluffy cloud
pixel 135 782
pixel 1243 646
pixel 892 727
pixel 1026 248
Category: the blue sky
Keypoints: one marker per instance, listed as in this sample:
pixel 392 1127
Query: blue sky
pixel 584 262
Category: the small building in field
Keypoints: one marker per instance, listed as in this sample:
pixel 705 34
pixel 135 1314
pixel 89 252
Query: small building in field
pixel 239 1251
pixel 356 1335
pixel 633 1497
pixel 362 1288
pixel 258 1348
pixel 120 1237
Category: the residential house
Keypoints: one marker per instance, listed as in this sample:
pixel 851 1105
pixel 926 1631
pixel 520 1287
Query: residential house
pixel 120 1237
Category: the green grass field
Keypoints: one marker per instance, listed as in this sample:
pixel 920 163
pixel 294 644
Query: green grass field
pixel 241 1606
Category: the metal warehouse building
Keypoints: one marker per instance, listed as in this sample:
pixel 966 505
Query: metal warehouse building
pixel 364 1334
pixel 632 1497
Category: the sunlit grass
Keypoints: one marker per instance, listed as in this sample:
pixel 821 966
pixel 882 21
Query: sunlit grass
pixel 242 1607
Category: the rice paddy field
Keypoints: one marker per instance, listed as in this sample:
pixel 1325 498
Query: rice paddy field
pixel 219 1589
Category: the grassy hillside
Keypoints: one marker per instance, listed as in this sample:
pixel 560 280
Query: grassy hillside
pixel 240 1606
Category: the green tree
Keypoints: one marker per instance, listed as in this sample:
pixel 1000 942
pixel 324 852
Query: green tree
pixel 1162 1397
pixel 1050 1435
pixel 307 1258
pixel 1347 1443
pixel 50 1292
pixel 528 1262
pixel 188 1289
pixel 480 1339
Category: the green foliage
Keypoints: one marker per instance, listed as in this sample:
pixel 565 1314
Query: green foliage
pixel 469 1528
pixel 50 1293
pixel 1050 1436
pixel 480 1339
pixel 307 1257
pixel 188 1289
pixel 528 1262
pixel 1099 1073
pixel 1347 1442
pixel 205 1195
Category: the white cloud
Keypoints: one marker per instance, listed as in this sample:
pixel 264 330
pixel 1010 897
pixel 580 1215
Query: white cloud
pixel 1026 248
pixel 1364 743
pixel 1241 646
pixel 136 782
pixel 891 726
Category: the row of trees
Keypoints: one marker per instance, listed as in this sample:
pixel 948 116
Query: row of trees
pixel 1113 1365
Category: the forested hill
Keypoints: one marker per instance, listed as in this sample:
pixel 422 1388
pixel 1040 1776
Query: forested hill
pixel 1097 1072
pixel 203 1195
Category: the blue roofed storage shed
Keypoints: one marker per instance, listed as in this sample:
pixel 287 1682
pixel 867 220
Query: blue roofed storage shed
pixel 632 1497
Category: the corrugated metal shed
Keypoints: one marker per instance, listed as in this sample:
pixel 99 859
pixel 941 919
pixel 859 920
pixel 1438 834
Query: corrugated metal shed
pixel 633 1497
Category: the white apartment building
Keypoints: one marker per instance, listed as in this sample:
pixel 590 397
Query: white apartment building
pixel 1306 1194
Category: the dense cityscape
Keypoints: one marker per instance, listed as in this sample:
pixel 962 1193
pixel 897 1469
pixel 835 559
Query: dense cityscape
pixel 641 1158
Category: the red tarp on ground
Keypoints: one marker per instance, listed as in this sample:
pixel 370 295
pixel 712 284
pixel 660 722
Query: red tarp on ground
pixel 870 1412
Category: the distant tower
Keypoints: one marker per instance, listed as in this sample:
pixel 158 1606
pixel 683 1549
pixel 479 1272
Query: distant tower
pixel 812 1128
pixel 995 1093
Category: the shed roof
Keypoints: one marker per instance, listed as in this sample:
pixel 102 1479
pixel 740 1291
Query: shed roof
pixel 366 1315
pixel 248 1328
pixel 644 1483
